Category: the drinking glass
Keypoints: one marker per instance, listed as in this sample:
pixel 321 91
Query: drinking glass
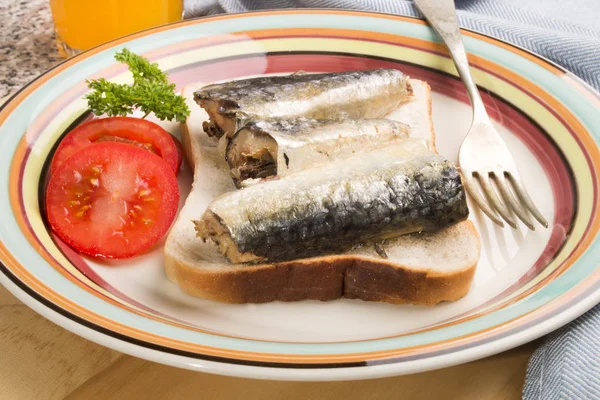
pixel 82 24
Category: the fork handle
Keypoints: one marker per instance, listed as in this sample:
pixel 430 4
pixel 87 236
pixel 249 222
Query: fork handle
pixel 441 14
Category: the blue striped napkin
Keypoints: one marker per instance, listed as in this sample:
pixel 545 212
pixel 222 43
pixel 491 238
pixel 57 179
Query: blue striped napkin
pixel 567 364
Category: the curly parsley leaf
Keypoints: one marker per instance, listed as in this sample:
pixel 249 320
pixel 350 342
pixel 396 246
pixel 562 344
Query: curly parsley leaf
pixel 110 98
pixel 160 99
pixel 150 92
pixel 141 68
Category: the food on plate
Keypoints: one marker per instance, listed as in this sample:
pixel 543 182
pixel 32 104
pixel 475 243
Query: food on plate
pixel 112 200
pixel 150 92
pixel 113 190
pixel 135 131
pixel 341 203
pixel 420 268
pixel 351 94
pixel 399 189
pixel 264 148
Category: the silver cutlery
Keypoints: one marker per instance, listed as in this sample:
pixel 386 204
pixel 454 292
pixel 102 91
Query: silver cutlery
pixel 484 159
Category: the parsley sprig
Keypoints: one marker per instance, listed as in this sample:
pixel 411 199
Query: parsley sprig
pixel 150 92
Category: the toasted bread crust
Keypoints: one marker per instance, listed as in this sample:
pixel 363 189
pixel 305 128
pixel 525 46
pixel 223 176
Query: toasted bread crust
pixel 429 111
pixel 186 139
pixel 322 278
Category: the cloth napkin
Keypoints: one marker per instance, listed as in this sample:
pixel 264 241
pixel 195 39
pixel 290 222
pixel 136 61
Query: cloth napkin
pixel 567 363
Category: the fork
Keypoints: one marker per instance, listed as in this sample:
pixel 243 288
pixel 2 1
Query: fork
pixel 484 159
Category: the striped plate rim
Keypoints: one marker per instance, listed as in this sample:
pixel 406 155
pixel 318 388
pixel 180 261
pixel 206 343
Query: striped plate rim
pixel 11 265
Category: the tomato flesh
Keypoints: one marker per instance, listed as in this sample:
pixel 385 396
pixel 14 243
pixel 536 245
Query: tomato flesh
pixel 139 132
pixel 112 200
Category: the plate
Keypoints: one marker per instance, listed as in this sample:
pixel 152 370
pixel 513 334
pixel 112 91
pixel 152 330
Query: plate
pixel 527 283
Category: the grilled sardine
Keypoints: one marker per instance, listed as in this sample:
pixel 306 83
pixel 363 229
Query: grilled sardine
pixel 265 148
pixel 352 94
pixel 363 199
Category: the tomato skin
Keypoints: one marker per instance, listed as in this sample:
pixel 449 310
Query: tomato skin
pixel 112 200
pixel 147 134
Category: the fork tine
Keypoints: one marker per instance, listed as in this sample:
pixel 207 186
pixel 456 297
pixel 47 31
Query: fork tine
pixel 518 209
pixel 519 188
pixel 480 201
pixel 495 200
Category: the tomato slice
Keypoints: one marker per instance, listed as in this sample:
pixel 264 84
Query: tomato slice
pixel 112 200
pixel 136 131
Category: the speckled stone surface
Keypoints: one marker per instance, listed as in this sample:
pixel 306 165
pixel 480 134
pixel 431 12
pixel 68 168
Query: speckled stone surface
pixel 27 45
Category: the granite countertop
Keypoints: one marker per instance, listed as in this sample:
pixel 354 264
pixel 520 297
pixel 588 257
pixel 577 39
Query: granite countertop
pixel 27 46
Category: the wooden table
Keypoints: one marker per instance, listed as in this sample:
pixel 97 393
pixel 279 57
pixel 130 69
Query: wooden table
pixel 40 360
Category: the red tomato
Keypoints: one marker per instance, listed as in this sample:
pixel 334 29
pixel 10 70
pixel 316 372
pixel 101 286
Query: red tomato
pixel 134 131
pixel 112 200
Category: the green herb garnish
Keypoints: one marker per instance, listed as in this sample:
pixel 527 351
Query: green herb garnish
pixel 150 92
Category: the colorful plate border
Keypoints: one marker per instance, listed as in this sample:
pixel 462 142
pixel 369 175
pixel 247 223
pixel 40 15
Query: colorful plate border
pixel 573 307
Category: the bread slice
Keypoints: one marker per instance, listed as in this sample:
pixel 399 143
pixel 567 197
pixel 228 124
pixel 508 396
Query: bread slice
pixel 424 268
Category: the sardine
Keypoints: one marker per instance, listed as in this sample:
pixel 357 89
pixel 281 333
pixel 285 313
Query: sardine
pixel 265 148
pixel 369 197
pixel 352 94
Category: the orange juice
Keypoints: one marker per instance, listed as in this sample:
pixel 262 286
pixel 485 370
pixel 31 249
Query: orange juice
pixel 81 24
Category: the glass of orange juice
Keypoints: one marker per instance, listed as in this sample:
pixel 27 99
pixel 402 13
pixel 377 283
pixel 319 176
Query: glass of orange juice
pixel 82 24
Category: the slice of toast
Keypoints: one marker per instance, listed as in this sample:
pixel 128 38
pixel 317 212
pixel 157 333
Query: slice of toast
pixel 424 268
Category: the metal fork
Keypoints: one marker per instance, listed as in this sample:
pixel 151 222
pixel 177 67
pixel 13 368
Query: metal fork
pixel 484 159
